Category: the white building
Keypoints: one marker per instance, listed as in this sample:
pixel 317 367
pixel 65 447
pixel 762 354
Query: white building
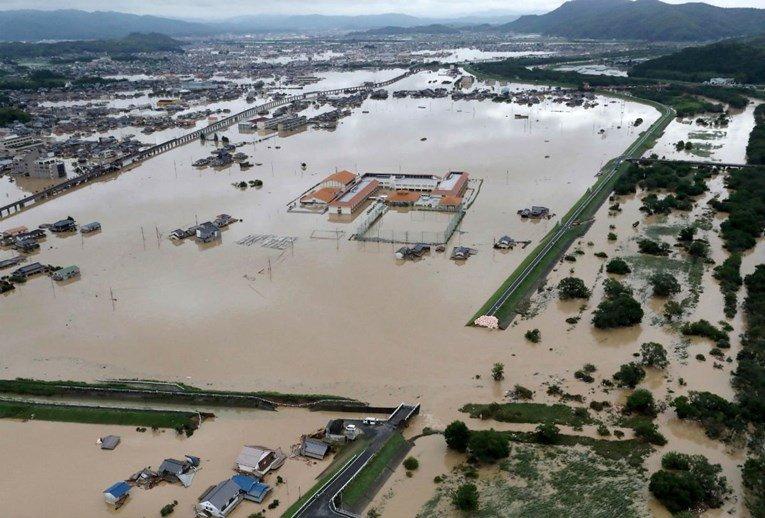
pixel 14 144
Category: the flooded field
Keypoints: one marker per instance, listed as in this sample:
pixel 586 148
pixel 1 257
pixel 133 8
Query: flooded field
pixel 713 144
pixel 218 314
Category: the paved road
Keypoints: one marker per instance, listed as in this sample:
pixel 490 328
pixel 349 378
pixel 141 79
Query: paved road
pixel 573 218
pixel 322 503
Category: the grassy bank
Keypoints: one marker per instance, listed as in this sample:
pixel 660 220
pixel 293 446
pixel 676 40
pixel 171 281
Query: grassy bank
pixel 631 451
pixel 546 254
pixel 98 415
pixel 529 413
pixel 365 479
pixel 155 391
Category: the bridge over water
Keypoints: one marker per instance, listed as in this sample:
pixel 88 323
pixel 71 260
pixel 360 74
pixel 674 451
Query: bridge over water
pixel 132 160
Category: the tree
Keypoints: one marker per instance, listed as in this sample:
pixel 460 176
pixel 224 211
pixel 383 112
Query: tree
pixel 678 491
pixel 688 481
pixel 650 247
pixel 466 497
pixel 641 401
pixel 618 266
pixel 572 288
pixel 686 234
pixel 488 445
pixel 653 354
pixel 664 284
pixel 411 463
pixel 629 375
pixel 672 310
pixel 457 436
pixel 547 433
pixel 699 249
pixel 533 336
pixel 498 371
pixel 621 311
pixel 613 288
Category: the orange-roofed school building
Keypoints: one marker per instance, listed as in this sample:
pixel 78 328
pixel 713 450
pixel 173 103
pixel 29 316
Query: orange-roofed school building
pixel 354 196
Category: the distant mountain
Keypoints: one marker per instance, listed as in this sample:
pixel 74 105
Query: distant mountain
pixel 130 44
pixel 403 31
pixel 742 59
pixel 70 24
pixel 313 22
pixel 650 20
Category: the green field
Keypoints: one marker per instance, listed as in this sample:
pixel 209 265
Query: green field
pixel 97 415
pixel 527 413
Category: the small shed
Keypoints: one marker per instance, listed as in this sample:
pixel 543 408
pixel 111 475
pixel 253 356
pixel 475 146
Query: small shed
pixel 109 442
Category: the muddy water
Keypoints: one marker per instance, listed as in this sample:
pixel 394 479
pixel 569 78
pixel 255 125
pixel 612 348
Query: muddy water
pixel 77 470
pixel 214 314
pixel 327 315
pixel 725 144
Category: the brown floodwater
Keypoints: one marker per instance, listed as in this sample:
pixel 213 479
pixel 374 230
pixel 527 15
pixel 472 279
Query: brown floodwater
pixel 332 315
pixel 65 458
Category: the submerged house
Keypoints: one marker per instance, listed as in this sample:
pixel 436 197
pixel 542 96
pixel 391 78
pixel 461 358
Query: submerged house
pixel 116 494
pixel 207 232
pixel 534 212
pixel 64 225
pixel 252 489
pixel 218 501
pixel 259 460
pixel 313 448
pixel 178 471
pixel 66 273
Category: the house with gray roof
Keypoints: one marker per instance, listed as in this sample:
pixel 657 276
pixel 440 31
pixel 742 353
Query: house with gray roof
pixel 218 501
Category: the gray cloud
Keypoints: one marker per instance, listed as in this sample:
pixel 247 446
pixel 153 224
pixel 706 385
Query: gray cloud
pixel 232 8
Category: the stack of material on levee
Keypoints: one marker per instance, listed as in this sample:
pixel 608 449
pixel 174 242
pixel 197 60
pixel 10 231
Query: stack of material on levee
pixel 487 321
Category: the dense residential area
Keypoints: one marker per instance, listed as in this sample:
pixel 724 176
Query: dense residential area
pixel 440 259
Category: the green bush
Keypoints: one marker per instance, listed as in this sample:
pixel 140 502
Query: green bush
pixel 465 498
pixel 572 288
pixel 620 311
pixel 688 482
pixel 650 247
pixel 533 336
pixel 488 445
pixel 641 401
pixel 629 375
pixel 618 266
pixel 664 284
pixel 653 354
pixel 457 436
pixel 547 433
pixel 648 432
pixel 411 463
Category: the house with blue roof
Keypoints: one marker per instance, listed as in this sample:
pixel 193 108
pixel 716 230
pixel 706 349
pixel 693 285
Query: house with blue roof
pixel 254 490
pixel 116 494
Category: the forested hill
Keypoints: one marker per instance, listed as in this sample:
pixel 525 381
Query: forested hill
pixel 130 44
pixel 742 59
pixel 650 20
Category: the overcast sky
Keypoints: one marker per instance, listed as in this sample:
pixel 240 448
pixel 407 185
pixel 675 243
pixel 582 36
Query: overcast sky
pixel 232 8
